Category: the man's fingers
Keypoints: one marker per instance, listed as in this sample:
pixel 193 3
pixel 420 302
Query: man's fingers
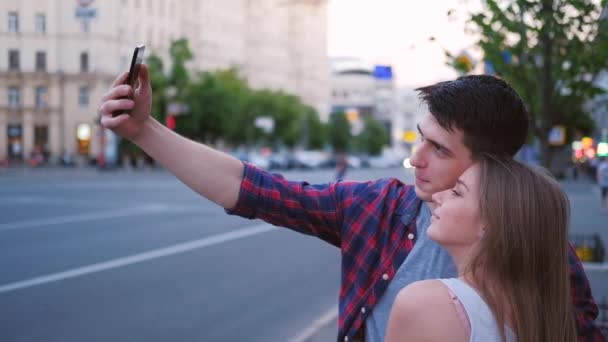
pixel 120 79
pixel 118 92
pixel 110 122
pixel 110 106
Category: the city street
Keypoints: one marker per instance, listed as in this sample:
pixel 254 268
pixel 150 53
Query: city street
pixel 136 256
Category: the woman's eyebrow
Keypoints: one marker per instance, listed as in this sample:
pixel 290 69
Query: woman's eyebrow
pixel 459 181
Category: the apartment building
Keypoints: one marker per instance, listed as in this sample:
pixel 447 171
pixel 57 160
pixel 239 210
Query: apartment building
pixel 58 57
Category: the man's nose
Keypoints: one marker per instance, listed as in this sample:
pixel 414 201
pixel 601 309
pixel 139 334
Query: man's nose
pixel 417 159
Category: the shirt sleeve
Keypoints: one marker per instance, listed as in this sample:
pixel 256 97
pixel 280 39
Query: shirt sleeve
pixel 585 309
pixel 310 209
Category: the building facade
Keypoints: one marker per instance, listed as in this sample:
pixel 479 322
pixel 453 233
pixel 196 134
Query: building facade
pixel 58 57
pixel 361 89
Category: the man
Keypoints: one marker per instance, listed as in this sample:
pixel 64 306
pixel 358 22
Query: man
pixel 378 225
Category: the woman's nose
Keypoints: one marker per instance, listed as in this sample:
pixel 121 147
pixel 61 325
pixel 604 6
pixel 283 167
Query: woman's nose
pixel 437 198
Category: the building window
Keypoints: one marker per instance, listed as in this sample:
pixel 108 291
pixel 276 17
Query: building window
pixel 13 22
pixel 83 96
pixel 14 97
pixel 40 61
pixel 85 26
pixel 13 60
pixel 42 97
pixel 84 62
pixel 40 23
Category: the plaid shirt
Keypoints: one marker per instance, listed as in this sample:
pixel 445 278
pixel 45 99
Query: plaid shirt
pixel 374 225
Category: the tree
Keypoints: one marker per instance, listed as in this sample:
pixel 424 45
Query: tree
pixel 159 83
pixel 373 137
pixel 551 51
pixel 313 131
pixel 288 114
pixel 217 100
pixel 180 54
pixel 339 132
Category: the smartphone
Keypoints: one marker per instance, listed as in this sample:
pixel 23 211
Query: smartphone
pixel 136 60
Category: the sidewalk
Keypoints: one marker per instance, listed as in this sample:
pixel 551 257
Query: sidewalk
pixel 586 218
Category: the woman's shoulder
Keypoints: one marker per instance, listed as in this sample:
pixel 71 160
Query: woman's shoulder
pixel 424 310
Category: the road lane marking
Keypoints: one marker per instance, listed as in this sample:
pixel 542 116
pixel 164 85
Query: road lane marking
pixel 141 257
pixel 84 217
pixel 320 323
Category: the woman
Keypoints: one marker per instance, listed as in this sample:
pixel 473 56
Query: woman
pixel 505 226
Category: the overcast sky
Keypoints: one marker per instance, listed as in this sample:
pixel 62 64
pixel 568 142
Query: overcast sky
pixel 397 32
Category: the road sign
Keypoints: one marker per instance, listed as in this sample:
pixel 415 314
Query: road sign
pixel 557 136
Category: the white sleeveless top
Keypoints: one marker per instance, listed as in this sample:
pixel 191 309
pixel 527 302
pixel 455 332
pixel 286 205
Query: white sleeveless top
pixel 481 318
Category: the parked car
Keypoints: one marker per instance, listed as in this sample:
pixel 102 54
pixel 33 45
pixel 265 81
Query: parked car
pixel 259 160
pixel 386 159
pixel 311 159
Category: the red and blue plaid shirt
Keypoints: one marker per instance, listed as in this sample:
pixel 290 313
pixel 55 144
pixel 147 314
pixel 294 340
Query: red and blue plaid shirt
pixel 374 225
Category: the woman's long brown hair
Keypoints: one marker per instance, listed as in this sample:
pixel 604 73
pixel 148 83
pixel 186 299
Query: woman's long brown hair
pixel 522 265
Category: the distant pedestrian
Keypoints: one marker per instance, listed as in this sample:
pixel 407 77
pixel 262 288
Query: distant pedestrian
pixel 341 166
pixel 602 180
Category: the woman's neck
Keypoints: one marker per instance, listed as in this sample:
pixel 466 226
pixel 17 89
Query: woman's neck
pixel 461 255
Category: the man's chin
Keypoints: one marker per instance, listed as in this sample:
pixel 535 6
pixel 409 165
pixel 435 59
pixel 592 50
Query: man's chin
pixel 423 195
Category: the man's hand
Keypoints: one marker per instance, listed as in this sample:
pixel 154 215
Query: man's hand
pixel 122 98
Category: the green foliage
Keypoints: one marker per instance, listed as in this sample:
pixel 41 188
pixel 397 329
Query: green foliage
pixel 159 83
pixel 339 132
pixel 216 101
pixel 551 52
pixel 373 137
pixel 180 54
pixel 314 130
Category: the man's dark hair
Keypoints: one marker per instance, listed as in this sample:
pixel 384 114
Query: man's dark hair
pixel 488 111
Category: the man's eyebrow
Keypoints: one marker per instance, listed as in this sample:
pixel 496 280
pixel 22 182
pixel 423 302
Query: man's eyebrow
pixel 462 183
pixel 447 150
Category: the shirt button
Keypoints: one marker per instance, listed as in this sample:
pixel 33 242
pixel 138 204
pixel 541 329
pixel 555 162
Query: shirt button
pixel 385 276
pixel 363 310
pixel 410 236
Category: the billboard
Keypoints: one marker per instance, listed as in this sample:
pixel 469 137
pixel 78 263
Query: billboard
pixel 383 72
